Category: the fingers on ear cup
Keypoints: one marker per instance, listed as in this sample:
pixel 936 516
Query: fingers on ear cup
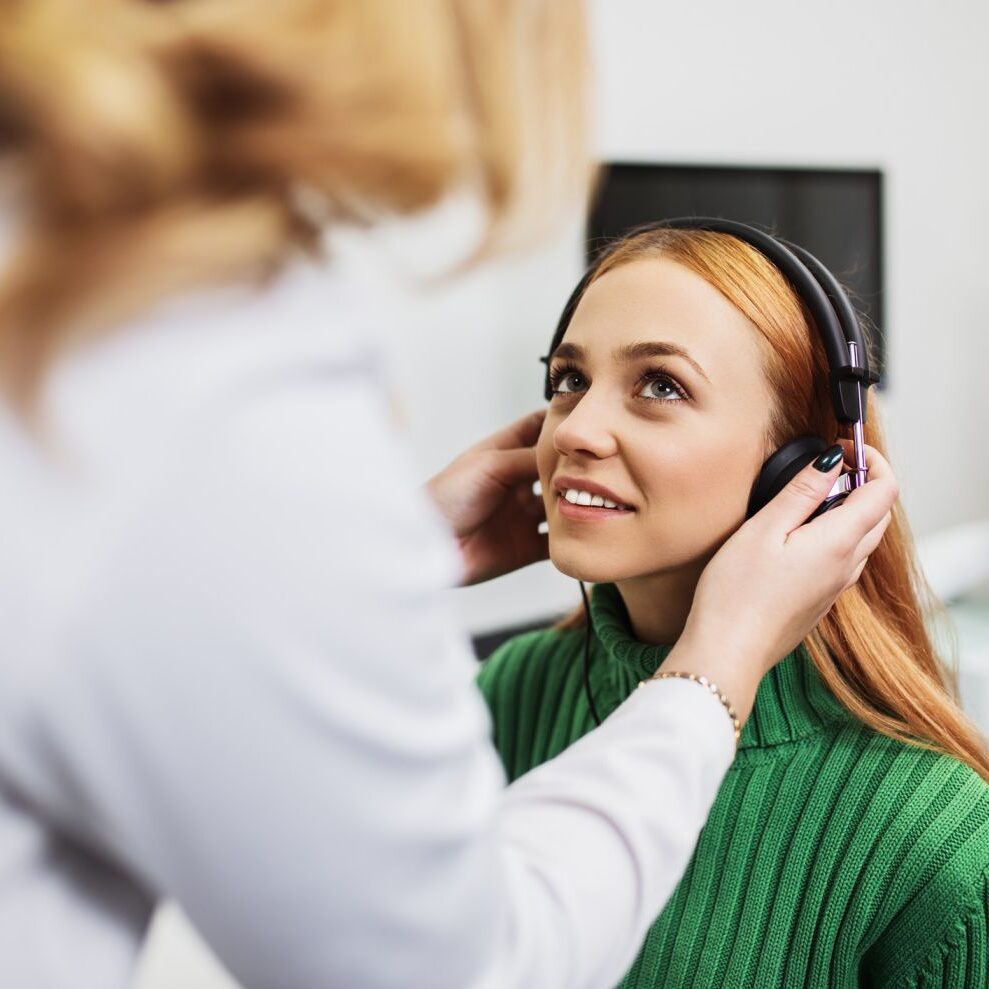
pixel 828 504
pixel 781 468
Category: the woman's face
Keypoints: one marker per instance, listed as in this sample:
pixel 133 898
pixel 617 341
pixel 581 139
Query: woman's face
pixel 661 406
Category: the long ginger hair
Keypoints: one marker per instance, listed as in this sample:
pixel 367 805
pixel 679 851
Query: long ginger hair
pixel 873 649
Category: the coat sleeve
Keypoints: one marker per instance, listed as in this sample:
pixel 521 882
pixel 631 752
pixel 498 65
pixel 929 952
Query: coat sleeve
pixel 269 714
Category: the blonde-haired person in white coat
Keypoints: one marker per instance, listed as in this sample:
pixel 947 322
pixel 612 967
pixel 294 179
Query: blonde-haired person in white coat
pixel 226 670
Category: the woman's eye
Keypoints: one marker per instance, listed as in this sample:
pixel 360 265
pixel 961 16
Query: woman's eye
pixel 662 388
pixel 569 382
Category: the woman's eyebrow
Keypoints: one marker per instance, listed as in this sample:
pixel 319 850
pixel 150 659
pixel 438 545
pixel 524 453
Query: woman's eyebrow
pixel 568 352
pixel 657 348
pixel 635 352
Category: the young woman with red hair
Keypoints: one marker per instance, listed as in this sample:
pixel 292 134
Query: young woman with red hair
pixel 849 844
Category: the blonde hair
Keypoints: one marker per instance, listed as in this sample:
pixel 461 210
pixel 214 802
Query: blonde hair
pixel 157 146
pixel 873 650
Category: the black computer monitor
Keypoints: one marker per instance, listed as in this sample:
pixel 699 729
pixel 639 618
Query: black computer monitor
pixel 836 214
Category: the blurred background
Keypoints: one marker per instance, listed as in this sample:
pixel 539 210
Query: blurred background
pixel 857 129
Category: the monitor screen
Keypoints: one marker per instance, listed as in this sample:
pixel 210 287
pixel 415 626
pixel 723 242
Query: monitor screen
pixel 835 214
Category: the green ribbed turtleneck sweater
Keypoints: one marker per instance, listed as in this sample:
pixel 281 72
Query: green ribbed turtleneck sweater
pixel 833 856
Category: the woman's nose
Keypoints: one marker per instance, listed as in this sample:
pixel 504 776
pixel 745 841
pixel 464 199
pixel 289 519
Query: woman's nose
pixel 588 430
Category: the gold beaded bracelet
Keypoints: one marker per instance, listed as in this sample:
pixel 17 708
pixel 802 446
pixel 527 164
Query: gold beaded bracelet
pixel 704 682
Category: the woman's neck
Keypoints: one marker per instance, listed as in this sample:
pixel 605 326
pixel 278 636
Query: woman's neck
pixel 658 604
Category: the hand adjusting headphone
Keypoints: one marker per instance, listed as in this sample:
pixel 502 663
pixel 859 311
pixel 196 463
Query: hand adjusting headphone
pixel 848 360
pixel 844 343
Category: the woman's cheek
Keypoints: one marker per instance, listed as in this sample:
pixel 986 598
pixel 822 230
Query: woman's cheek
pixel 695 496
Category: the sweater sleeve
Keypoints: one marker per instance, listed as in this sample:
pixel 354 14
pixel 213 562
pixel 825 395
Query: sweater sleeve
pixel 936 934
pixel 959 958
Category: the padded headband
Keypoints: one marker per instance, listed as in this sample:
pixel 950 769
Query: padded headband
pixel 832 312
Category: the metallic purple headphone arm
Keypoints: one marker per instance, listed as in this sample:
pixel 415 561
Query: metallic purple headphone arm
pixel 860 474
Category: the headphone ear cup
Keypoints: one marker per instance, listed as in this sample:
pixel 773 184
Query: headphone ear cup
pixel 781 468
pixel 832 502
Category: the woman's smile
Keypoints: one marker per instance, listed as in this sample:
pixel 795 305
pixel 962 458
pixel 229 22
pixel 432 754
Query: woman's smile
pixel 587 501
pixel 589 512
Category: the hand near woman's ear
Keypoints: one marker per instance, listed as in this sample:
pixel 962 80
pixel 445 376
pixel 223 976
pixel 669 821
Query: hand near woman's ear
pixel 486 497
pixel 775 578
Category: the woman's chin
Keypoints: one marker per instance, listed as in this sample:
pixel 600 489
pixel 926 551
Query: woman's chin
pixel 583 566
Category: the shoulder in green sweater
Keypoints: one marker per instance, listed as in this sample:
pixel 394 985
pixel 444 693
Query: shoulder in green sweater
pixel 833 857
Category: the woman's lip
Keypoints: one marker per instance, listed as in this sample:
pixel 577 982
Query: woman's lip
pixel 589 513
pixel 562 483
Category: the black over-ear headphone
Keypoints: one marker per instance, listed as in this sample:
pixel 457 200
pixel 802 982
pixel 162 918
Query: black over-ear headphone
pixel 848 360
pixel 844 343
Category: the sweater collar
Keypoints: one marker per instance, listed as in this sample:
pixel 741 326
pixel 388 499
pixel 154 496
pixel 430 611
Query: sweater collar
pixel 791 702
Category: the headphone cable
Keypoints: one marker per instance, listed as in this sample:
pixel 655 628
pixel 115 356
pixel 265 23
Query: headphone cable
pixel 588 629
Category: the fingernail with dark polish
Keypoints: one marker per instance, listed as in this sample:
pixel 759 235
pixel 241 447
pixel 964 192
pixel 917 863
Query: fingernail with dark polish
pixel 830 458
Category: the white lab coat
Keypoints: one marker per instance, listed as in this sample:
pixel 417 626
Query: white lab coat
pixel 228 676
